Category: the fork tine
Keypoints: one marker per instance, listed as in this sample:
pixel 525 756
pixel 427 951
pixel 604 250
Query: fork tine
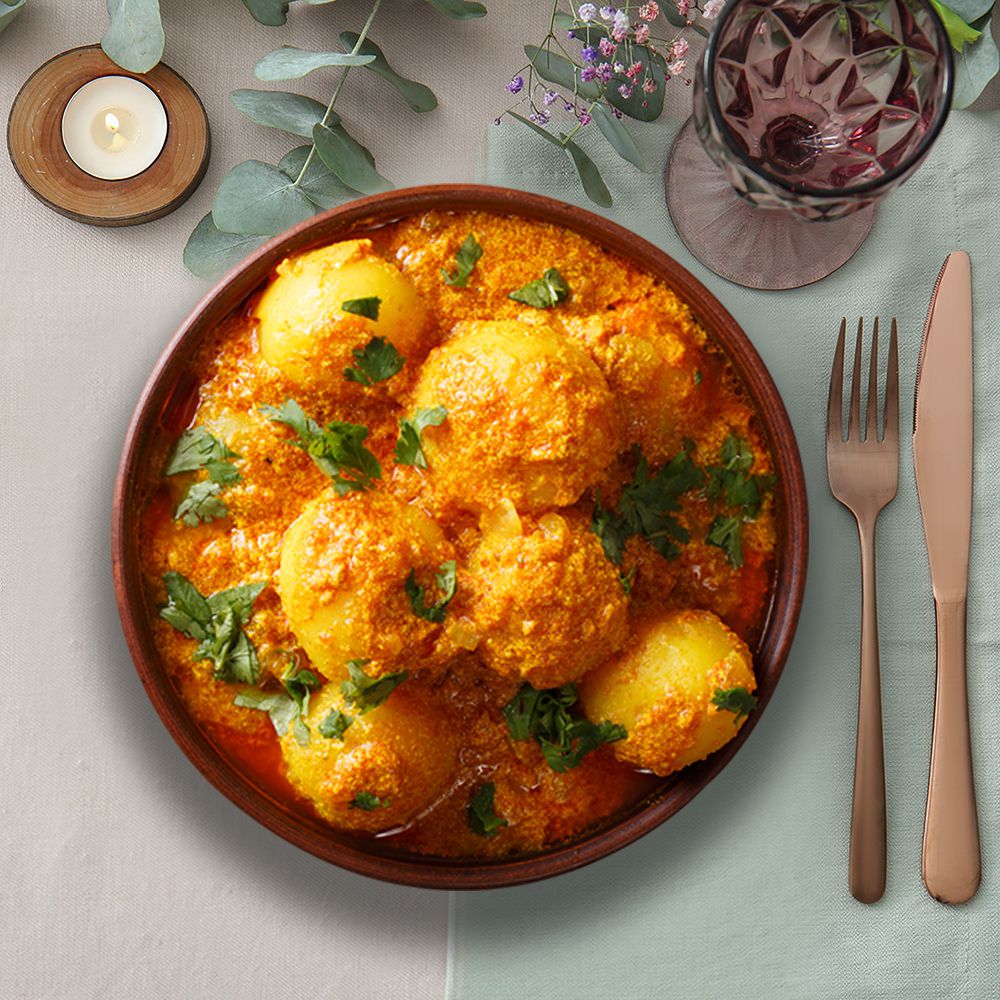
pixel 854 419
pixel 871 417
pixel 835 405
pixel 891 431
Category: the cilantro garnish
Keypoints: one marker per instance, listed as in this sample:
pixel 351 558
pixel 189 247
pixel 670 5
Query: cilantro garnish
pixel 447 582
pixel 483 819
pixel 201 504
pixel 335 724
pixel 216 622
pixel 338 449
pixel 197 449
pixel 287 708
pixel 408 448
pixel 565 739
pixel 365 692
pixel 468 253
pixel 738 700
pixel 725 532
pixel 367 802
pixel 367 307
pixel 377 361
pixel 544 292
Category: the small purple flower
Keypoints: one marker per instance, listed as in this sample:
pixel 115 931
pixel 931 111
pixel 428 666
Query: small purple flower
pixel 621 23
pixel 571 34
pixel 588 12
pixel 567 106
pixel 540 117
pixel 625 90
pixel 607 48
pixel 589 73
pixel 608 13
pixel 496 121
pixel 589 54
pixel 619 67
pixel 604 73
pixel 550 98
pixel 584 118
pixel 516 85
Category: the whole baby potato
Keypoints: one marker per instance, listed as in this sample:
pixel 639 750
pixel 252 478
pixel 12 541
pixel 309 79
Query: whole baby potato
pixel 387 765
pixel 530 417
pixel 660 688
pixel 345 562
pixel 306 332
pixel 546 602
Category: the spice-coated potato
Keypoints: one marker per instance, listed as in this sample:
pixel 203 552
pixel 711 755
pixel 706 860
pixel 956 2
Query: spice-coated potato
pixel 342 581
pixel 304 329
pixel 403 752
pixel 530 417
pixel 660 688
pixel 547 604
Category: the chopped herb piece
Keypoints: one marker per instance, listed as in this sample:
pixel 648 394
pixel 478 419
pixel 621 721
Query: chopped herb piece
pixel 201 504
pixel 335 724
pixel 408 448
pixel 626 580
pixel 565 739
pixel 738 700
pixel 483 819
pixel 698 377
pixel 365 692
pixel 447 582
pixel 544 292
pixel 288 708
pixel 217 624
pixel 223 473
pixel 468 253
pixel 194 449
pixel 725 533
pixel 368 802
pixel 279 707
pixel 367 307
pixel 377 361
pixel 612 531
pixel 338 449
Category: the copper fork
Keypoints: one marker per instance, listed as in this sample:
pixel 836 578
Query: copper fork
pixel 864 475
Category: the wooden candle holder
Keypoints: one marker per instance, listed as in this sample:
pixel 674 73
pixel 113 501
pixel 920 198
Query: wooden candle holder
pixel 34 139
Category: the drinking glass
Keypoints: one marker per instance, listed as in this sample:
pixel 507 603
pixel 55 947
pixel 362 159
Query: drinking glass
pixel 805 113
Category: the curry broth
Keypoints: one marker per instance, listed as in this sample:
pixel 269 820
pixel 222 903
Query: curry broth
pixel 231 383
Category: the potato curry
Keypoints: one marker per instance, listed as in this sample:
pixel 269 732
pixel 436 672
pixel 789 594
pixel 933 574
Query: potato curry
pixel 463 536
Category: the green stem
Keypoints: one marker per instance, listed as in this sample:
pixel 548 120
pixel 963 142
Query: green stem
pixel 340 86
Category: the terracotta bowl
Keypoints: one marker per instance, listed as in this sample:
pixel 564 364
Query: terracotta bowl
pixel 170 381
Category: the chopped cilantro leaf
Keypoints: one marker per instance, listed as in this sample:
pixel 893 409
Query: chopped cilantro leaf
pixel 335 724
pixel 279 707
pixel 217 624
pixel 367 307
pixel 698 377
pixel 483 820
pixel 289 707
pixel 565 739
pixel 194 449
pixel 725 533
pixel 377 361
pixel 201 504
pixel 738 700
pixel 544 292
pixel 338 449
pixel 368 802
pixel 365 692
pixel 468 253
pixel 447 582
pixel 408 448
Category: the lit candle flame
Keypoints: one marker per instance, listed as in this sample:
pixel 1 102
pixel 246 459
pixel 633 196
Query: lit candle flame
pixel 111 121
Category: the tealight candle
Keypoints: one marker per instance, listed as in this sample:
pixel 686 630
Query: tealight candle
pixel 114 127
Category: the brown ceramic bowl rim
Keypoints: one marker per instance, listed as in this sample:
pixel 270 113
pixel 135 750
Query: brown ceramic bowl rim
pixel 374 858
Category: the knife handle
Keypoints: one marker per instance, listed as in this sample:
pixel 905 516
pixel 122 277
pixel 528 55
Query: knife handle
pixel 868 840
pixel 951 862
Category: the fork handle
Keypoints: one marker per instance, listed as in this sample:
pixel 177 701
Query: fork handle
pixel 951 861
pixel 868 837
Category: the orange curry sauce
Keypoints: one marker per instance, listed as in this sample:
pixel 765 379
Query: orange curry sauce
pixel 609 296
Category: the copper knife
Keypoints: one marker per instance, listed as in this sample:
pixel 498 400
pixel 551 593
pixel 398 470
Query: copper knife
pixel 942 460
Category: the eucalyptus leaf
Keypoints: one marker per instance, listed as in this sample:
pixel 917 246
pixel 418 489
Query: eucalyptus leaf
pixel 615 132
pixel 258 199
pixel 975 67
pixel 460 10
pixel 590 176
pixel 270 12
pixel 9 9
pixel 559 70
pixel 419 97
pixel 134 39
pixel 290 63
pixel 276 109
pixel 641 106
pixel 210 252
pixel 322 187
pixel 544 133
pixel 348 159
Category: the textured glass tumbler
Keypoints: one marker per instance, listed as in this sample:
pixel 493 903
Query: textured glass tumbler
pixel 805 116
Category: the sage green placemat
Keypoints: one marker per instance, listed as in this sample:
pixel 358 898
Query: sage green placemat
pixel 744 892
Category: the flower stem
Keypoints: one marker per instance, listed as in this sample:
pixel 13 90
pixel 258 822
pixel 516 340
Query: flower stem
pixel 340 86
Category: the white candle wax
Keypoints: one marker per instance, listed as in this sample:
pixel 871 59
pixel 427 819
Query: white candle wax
pixel 114 127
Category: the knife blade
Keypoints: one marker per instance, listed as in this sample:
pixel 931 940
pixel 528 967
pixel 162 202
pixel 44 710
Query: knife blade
pixel 942 460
